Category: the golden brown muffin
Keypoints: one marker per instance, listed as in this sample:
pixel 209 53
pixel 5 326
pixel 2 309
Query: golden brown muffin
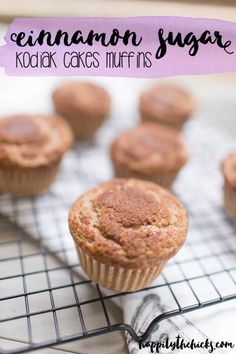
pixel 167 105
pixel 151 152
pixel 31 148
pixel 228 167
pixel 84 106
pixel 125 230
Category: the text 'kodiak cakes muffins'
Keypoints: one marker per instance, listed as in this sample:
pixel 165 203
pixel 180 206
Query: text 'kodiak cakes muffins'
pixel 228 167
pixel 31 148
pixel 149 151
pixel 125 230
pixel 166 104
pixel 84 105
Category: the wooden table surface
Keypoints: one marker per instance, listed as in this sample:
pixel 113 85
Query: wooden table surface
pixel 13 8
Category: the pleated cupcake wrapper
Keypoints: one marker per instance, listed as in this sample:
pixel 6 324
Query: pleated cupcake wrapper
pixel 163 179
pixel 176 125
pixel 115 277
pixel 84 127
pixel 20 182
pixel 230 199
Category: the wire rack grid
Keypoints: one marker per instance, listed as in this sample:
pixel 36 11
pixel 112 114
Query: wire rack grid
pixel 202 274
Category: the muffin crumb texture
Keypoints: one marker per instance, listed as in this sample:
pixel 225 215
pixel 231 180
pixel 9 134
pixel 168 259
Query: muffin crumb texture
pixel 31 148
pixel 149 151
pixel 32 140
pixel 129 223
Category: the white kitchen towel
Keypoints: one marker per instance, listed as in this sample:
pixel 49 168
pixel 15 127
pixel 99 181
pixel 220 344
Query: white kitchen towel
pixel 210 248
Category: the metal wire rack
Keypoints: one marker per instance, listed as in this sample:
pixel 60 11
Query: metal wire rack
pixel 202 274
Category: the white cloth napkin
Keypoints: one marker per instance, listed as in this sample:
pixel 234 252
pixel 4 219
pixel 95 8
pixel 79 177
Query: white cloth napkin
pixel 211 231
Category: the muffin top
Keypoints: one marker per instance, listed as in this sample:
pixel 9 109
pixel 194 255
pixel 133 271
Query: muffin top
pixel 81 98
pixel 149 148
pixel 228 167
pixel 33 140
pixel 128 222
pixel 167 103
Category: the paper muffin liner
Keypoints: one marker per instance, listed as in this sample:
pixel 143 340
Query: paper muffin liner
pixel 115 277
pixel 26 182
pixel 178 125
pixel 230 199
pixel 84 127
pixel 163 179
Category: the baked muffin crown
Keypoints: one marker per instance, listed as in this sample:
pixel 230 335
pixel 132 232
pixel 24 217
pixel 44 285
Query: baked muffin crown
pixel 30 141
pixel 128 222
pixel 228 167
pixel 81 98
pixel 167 102
pixel 149 148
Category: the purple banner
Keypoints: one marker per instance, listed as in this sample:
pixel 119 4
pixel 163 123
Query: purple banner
pixel 131 47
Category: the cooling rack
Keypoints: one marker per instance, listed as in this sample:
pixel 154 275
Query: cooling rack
pixel 202 274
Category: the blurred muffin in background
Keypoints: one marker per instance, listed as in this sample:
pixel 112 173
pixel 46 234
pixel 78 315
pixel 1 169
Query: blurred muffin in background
pixel 31 148
pixel 83 105
pixel 150 152
pixel 228 167
pixel 166 104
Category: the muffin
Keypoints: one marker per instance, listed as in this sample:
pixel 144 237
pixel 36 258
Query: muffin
pixel 228 167
pixel 83 105
pixel 125 230
pixel 31 148
pixel 167 105
pixel 151 152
